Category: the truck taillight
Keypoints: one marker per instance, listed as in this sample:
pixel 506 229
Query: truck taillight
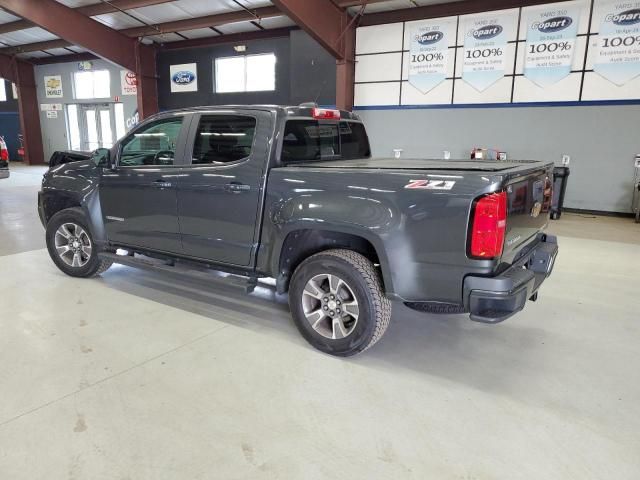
pixel 325 114
pixel 488 226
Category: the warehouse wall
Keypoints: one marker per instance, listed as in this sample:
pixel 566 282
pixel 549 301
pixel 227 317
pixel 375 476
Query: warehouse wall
pixel 602 142
pixel 10 120
pixel 302 67
pixel 54 130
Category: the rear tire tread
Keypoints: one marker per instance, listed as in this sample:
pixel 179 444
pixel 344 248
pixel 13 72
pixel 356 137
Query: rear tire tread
pixel 382 305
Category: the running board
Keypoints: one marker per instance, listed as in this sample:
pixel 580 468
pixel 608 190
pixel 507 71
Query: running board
pixel 190 269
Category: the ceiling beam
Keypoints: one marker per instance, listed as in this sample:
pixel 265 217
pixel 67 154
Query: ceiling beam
pixel 355 3
pixel 203 22
pixel 76 29
pixel 444 10
pixel 229 38
pixel 88 10
pixel 324 21
pixel 167 27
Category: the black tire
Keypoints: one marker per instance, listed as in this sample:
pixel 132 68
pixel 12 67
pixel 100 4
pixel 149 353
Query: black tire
pixel 94 265
pixel 364 282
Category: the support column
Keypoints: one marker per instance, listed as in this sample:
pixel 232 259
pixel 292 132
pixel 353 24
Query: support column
pixel 345 72
pixel 29 114
pixel 147 81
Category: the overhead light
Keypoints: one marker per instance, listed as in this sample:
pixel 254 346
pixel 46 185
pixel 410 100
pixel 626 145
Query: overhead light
pixel 240 48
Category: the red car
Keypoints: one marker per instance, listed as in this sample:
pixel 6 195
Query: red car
pixel 4 159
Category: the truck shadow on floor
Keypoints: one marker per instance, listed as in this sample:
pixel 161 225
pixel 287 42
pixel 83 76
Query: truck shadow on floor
pixel 492 358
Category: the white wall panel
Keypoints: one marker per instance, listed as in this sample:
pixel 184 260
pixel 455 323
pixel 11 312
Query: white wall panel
pixel 437 96
pixel 583 26
pixel 450 64
pixel 379 67
pixel 409 26
pixel 509 52
pixel 499 92
pixel 599 88
pixel 511 28
pixel 379 38
pixel 578 55
pixel 377 93
pixel 566 90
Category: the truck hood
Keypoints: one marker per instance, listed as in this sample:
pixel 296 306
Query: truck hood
pixel 422 164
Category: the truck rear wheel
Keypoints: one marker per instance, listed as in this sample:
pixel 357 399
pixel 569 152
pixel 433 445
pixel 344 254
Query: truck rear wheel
pixel 71 246
pixel 338 303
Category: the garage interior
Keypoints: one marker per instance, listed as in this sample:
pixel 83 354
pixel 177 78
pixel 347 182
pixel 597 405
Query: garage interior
pixel 137 374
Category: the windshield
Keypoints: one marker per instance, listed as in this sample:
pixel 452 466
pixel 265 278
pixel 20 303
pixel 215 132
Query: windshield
pixel 308 140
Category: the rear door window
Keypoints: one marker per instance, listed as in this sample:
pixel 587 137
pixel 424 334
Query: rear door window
pixel 222 139
pixel 309 140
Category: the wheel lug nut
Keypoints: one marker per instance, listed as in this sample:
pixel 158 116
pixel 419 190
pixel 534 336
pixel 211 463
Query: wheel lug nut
pixel 338 310
pixel 325 307
pixel 325 299
pixel 332 313
pixel 332 297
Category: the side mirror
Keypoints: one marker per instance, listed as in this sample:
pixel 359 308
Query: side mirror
pixel 101 157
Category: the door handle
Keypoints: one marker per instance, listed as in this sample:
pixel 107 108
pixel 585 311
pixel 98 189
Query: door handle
pixel 161 184
pixel 237 187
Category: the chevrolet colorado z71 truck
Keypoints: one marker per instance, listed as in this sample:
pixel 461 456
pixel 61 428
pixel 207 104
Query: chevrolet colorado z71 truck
pixel 291 193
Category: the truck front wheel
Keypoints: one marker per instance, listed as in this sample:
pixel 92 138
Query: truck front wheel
pixel 338 303
pixel 71 246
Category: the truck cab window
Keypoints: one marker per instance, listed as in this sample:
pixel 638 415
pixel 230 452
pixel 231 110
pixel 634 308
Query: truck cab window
pixel 223 139
pixel 307 140
pixel 153 144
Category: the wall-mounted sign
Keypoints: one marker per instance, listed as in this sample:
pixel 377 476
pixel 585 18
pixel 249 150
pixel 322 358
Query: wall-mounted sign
pixel 86 65
pixel 429 53
pixel 618 52
pixel 551 39
pixel 53 86
pixel 47 107
pixel 128 82
pixel 485 49
pixel 183 77
pixel 52 114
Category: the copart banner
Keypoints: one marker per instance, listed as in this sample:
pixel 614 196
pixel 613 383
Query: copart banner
pixel 429 53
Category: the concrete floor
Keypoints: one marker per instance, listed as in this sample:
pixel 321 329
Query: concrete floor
pixel 141 376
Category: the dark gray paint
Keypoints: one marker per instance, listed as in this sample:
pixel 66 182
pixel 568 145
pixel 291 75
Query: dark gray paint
pixel 602 142
pixel 420 236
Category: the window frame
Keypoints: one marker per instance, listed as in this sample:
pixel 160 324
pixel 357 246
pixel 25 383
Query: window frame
pixel 179 155
pixel 193 130
pixel 282 127
pixel 244 57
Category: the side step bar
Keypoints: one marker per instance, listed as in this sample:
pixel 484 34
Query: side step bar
pixel 171 266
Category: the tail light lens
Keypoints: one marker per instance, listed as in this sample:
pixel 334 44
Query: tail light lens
pixel 325 114
pixel 4 154
pixel 488 226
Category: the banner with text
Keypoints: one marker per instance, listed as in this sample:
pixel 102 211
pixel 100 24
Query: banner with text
pixel 551 43
pixel 429 53
pixel 618 52
pixel 485 49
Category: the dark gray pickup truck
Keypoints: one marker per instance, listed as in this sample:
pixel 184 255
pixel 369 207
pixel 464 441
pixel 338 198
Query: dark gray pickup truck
pixel 291 193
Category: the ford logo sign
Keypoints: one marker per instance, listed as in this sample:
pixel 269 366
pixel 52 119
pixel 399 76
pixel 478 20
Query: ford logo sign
pixel 553 25
pixel 628 17
pixel 183 77
pixel 429 37
pixel 485 33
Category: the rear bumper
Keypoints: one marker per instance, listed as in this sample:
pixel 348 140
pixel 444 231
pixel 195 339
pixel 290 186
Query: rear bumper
pixel 4 173
pixel 494 299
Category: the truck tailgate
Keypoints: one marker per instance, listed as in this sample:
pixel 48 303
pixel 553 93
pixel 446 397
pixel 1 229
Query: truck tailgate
pixel 529 196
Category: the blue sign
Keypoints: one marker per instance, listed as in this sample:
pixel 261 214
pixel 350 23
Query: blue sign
pixel 429 54
pixel 618 53
pixel 551 41
pixel 183 77
pixel 485 49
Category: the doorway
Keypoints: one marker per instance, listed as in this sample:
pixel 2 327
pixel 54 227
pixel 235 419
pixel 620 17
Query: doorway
pixel 92 125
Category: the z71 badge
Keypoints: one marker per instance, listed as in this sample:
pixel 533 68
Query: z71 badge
pixel 430 184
